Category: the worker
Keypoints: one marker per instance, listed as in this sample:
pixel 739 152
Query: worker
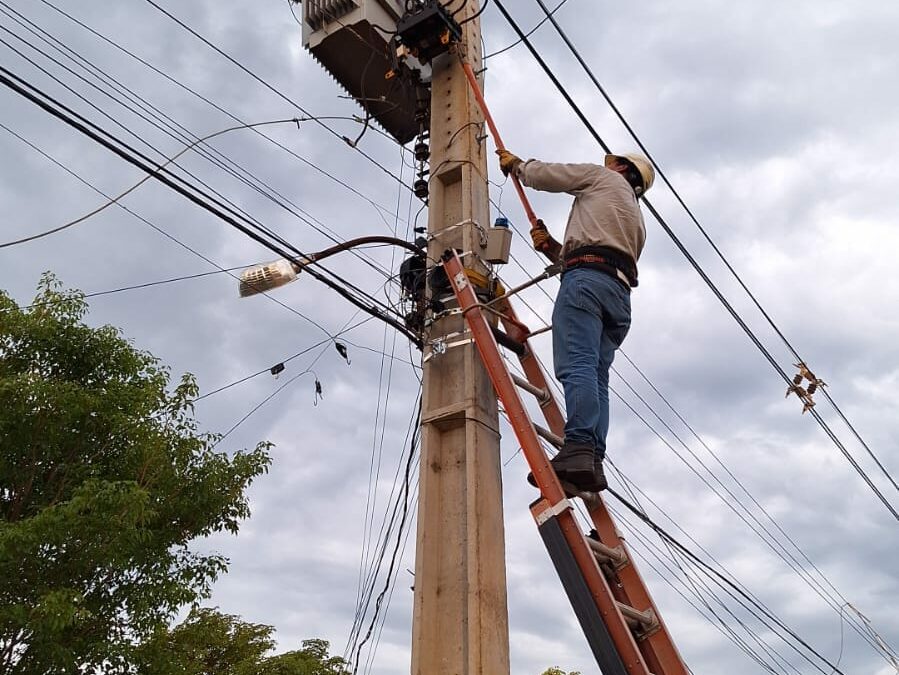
pixel 599 251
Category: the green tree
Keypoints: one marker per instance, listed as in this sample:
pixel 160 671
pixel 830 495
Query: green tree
pixel 209 642
pixel 312 659
pixel 555 670
pixel 104 482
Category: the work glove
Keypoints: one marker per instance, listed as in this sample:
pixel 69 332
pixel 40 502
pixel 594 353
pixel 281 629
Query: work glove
pixel 540 236
pixel 508 162
pixel 544 242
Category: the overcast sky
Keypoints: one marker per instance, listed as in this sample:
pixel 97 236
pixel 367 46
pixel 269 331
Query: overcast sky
pixel 776 122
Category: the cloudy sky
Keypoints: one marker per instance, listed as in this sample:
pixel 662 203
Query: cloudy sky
pixel 776 123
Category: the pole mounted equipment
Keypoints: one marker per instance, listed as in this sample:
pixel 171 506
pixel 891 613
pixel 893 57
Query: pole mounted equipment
pixel 355 41
pixel 428 31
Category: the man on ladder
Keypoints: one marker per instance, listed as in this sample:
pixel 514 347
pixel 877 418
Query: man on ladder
pixel 599 251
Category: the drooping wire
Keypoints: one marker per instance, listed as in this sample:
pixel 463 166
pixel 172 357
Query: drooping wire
pixel 589 71
pixel 177 131
pixel 528 34
pixel 160 230
pixel 281 247
pixel 694 263
pixel 315 167
pixel 729 587
pixel 416 436
pixel 374 468
pixel 266 84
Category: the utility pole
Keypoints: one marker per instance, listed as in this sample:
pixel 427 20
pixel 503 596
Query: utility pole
pixel 460 620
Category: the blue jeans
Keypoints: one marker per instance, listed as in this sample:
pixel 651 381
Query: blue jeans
pixel 591 317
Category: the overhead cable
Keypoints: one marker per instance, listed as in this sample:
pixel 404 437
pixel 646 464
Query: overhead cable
pixel 73 119
pixel 267 85
pixel 380 208
pixel 574 51
pixel 693 262
pixel 528 34
pixel 143 180
pixel 143 108
pixel 161 231
pixel 731 587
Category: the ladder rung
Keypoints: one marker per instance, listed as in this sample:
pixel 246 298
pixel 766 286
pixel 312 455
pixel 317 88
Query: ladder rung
pixel 604 553
pixel 549 436
pixel 542 395
pixel 507 342
pixel 645 621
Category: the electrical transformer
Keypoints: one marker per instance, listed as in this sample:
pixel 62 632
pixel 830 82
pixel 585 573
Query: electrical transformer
pixel 354 41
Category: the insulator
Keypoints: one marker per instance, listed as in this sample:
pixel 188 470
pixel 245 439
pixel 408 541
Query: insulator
pixel 422 151
pixel 797 379
pixel 812 388
pixel 421 188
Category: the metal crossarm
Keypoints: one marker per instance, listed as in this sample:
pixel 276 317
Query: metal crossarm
pixel 620 621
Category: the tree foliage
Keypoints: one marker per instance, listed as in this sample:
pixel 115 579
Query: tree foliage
pixel 104 482
pixel 209 642
pixel 555 670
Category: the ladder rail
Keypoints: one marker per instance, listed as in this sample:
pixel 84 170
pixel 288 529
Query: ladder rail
pixel 659 649
pixel 626 596
pixel 553 503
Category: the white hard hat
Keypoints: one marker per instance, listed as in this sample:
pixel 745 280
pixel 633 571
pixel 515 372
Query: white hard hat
pixel 641 164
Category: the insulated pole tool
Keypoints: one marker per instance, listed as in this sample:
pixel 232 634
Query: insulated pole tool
pixel 482 104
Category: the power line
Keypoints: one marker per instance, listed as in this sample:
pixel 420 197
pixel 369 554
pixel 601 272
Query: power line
pixel 574 51
pixel 795 566
pixel 371 495
pixel 699 588
pixel 528 34
pixel 694 263
pixel 159 229
pixel 176 130
pixel 149 284
pixel 727 585
pixel 378 207
pixel 235 210
pixel 268 86
pixel 281 362
pixel 403 515
pixel 282 248
pixel 117 198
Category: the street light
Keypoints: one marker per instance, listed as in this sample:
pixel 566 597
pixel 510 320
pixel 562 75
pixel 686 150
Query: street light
pixel 268 276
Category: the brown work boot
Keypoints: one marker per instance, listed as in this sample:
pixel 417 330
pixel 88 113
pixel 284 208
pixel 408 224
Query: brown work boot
pixel 574 464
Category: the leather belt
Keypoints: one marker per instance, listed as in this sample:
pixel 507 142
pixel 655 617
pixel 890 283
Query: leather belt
pixel 596 262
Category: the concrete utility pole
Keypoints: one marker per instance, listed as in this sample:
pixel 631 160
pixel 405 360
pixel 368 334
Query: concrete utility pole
pixel 460 621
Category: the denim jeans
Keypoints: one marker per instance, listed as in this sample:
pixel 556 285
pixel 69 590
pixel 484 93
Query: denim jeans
pixel 591 317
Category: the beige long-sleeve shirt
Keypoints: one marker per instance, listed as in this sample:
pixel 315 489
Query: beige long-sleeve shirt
pixel 605 210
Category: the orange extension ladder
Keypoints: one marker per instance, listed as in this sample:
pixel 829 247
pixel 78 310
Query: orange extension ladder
pixel 620 621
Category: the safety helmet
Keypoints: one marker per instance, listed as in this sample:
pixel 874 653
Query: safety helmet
pixel 641 164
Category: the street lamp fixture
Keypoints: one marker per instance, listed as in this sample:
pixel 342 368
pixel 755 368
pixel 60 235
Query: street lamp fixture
pixel 268 276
